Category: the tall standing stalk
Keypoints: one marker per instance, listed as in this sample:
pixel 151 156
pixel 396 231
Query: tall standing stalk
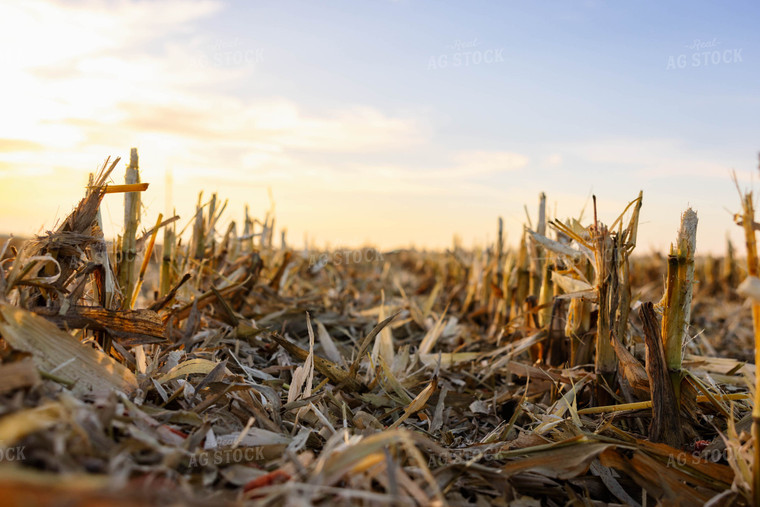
pixel 500 253
pixel 536 251
pixel 729 266
pixel 521 281
pixel 546 295
pixel 678 292
pixel 199 233
pixel 247 246
pixel 497 299
pixel 748 220
pixel 128 241
pixel 606 359
pixel 167 261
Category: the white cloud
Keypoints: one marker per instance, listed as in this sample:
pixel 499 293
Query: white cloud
pixel 115 67
pixel 43 33
pixel 649 158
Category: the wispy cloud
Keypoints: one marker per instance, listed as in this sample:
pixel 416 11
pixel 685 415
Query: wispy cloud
pixel 132 74
pixel 11 145
pixel 91 79
pixel 650 159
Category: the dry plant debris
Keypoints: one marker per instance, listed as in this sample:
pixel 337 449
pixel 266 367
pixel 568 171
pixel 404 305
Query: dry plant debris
pixel 215 366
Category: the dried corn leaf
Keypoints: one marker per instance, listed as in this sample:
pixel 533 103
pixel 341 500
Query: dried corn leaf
pixel 189 367
pixel 56 351
pixel 417 404
pixel 303 377
pixel 563 460
pixel 448 359
pixel 432 336
pixel 573 286
pixel 25 422
pixel 328 345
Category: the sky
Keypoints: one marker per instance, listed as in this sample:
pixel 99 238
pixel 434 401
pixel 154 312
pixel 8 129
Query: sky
pixel 392 123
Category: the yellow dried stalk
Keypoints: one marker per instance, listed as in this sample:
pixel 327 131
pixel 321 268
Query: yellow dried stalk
pixel 230 244
pixel 546 296
pixel 509 264
pixel 209 227
pixel 146 260
pixel 521 284
pixel 642 405
pixel 120 189
pixel 748 219
pixel 536 251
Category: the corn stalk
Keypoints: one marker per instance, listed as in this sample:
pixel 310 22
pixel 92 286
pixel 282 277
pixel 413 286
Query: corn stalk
pixel 606 360
pixel 167 261
pixel 748 220
pixel 611 255
pixel 128 240
pixel 678 292
pixel 730 270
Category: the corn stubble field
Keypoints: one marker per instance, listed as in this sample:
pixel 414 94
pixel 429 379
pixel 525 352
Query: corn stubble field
pixel 216 368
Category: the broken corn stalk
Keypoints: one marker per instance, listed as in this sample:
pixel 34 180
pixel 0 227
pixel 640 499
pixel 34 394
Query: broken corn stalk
pixel 748 219
pixel 146 259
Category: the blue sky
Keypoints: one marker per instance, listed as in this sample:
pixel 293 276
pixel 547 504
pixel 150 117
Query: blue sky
pixel 368 125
